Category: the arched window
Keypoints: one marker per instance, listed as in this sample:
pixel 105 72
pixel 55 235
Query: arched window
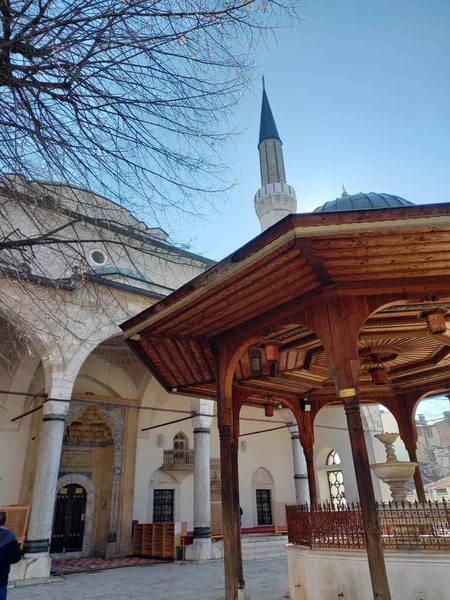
pixel 180 441
pixel 333 459
pixel 335 480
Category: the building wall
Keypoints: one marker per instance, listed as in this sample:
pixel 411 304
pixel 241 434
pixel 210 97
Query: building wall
pixel 443 430
pixel 271 451
pixel 331 433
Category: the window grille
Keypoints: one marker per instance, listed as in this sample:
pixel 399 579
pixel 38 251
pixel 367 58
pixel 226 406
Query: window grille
pixel 163 506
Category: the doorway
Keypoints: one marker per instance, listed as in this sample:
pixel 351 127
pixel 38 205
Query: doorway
pixel 68 524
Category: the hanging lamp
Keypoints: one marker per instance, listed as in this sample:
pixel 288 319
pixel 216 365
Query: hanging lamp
pixel 435 320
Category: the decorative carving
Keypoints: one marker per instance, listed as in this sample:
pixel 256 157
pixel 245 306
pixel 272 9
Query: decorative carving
pixel 262 477
pixel 123 359
pixel 76 458
pixel 160 477
pixel 92 427
pixel 116 414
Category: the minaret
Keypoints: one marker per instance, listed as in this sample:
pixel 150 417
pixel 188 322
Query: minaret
pixel 275 199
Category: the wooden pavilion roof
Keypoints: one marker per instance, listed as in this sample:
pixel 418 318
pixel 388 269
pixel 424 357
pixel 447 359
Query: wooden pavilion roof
pixel 298 261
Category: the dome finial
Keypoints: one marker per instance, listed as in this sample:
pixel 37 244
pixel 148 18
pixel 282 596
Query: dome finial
pixel 344 191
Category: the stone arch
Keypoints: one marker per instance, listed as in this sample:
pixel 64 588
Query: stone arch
pixel 86 483
pixel 160 477
pixel 262 482
pixel 262 477
pixel 162 480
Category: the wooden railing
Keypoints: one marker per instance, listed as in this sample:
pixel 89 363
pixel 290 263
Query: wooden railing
pixel 404 526
pixel 178 459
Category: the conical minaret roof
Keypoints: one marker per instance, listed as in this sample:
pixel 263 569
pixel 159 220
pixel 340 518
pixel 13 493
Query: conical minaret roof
pixel 275 198
pixel 267 128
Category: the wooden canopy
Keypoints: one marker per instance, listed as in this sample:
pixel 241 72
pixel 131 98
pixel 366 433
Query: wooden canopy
pixel 352 307
pixel 293 265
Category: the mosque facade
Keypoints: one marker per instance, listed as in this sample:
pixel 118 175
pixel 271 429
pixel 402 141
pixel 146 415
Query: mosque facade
pixel 90 440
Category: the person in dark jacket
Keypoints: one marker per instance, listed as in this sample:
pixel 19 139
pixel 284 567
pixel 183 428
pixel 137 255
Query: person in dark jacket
pixel 10 553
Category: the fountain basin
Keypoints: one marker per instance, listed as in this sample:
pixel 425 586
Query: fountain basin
pixel 396 475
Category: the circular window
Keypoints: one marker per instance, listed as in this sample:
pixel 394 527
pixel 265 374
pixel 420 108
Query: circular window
pixel 98 257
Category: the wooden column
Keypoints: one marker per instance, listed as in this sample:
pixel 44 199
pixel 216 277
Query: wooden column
pixel 237 518
pixel 371 524
pixel 225 422
pixel 418 481
pixel 402 406
pixel 338 321
pixel 239 397
pixel 308 448
pixel 228 514
pixel 405 404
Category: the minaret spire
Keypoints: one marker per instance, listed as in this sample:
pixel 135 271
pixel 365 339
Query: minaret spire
pixel 275 199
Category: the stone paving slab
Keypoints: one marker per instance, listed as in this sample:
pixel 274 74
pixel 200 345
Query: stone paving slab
pixel 266 580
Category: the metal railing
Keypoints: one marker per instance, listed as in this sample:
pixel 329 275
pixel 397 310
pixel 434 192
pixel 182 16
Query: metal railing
pixel 404 526
pixel 178 459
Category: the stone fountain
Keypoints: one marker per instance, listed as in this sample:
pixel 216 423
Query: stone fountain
pixel 393 472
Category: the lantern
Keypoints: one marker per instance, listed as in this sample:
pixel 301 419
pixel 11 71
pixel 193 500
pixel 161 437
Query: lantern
pixel 268 410
pixel 435 320
pixel 379 375
pixel 271 350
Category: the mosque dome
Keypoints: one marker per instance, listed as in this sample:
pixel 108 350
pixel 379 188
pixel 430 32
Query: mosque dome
pixel 362 201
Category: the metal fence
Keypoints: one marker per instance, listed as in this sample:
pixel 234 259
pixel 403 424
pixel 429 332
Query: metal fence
pixel 404 526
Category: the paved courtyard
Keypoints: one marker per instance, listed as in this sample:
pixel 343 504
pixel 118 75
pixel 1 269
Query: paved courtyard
pixel 266 580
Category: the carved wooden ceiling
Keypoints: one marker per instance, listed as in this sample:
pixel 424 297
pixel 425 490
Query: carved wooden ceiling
pixel 395 338
pixel 300 260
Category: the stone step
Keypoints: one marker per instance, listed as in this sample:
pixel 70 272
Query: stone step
pixel 282 539
pixel 263 547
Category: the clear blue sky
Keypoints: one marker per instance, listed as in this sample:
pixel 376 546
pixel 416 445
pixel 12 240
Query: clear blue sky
pixel 360 90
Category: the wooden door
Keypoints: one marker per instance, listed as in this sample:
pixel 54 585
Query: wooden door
pixel 68 523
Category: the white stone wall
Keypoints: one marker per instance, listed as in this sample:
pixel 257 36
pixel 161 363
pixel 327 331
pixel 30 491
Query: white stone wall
pixel 323 574
pixel 61 328
pixel 331 433
pixel 272 451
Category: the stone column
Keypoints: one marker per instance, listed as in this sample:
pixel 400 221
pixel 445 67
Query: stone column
pixel 37 560
pixel 201 549
pixel 300 471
